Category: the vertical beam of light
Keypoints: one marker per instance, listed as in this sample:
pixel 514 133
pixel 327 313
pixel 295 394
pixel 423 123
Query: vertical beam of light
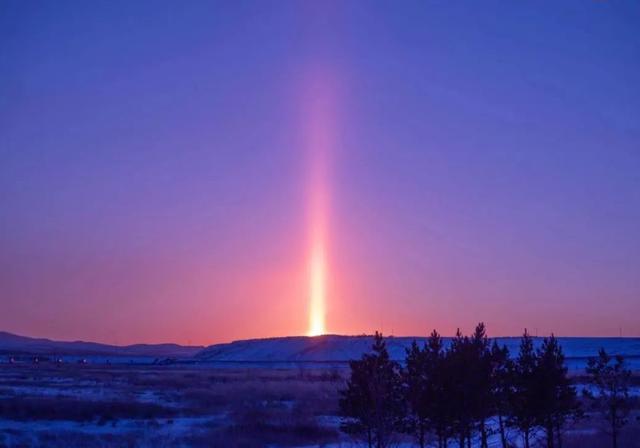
pixel 319 135
pixel 317 292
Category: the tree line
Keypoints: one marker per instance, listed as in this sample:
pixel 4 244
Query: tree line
pixel 472 389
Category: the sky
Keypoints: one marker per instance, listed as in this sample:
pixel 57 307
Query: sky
pixel 173 171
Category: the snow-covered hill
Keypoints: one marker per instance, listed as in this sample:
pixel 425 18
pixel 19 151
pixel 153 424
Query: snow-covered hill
pixel 334 348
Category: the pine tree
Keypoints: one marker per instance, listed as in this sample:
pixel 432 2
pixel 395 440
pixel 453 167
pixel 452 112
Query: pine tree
pixel 557 397
pixel 440 389
pixel 417 382
pixel 428 388
pixel 501 386
pixel 611 378
pixel 372 404
pixel 469 372
pixel 481 369
pixel 460 387
pixel 524 400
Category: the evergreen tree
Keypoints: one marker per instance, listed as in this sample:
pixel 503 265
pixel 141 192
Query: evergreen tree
pixel 501 386
pixel 427 389
pixel 440 387
pixel 468 364
pixel 417 382
pixel 460 387
pixel 372 404
pixel 556 396
pixel 524 400
pixel 481 373
pixel 611 378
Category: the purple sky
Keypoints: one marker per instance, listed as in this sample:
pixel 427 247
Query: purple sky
pixel 484 164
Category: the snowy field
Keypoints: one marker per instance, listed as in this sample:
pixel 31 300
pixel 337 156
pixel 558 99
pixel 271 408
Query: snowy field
pixel 80 405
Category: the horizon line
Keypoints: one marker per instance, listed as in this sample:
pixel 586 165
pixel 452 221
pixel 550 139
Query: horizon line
pixel 299 336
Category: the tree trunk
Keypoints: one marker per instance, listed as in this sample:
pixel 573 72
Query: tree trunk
pixel 549 430
pixel 614 431
pixel 483 434
pixel 443 441
pixel 503 435
pixel 558 436
pixel 526 438
pixel 468 438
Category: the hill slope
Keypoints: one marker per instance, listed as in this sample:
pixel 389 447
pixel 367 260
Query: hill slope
pixel 14 344
pixel 334 348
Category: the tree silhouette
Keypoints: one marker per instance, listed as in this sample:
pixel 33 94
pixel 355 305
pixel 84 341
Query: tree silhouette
pixel 372 404
pixel 611 378
pixel 426 390
pixel 460 387
pixel 440 386
pixel 468 385
pixel 556 397
pixel 502 368
pixel 480 364
pixel 524 400
pixel 417 385
pixel 452 392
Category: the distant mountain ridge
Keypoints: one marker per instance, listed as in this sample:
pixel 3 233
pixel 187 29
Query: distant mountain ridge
pixel 14 344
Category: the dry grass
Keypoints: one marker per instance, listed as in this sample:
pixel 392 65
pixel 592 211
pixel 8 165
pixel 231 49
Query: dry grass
pixel 77 410
pixel 232 407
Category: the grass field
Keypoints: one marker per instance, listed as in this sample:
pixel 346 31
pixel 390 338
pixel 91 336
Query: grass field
pixel 89 405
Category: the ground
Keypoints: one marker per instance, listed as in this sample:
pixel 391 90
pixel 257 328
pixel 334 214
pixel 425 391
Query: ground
pixel 74 405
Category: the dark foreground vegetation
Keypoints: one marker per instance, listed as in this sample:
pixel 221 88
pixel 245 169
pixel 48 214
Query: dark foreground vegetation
pixel 473 389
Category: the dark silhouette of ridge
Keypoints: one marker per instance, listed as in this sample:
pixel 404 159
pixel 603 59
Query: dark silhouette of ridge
pixel 14 344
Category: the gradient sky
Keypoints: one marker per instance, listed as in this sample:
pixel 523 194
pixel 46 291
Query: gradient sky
pixel 156 160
